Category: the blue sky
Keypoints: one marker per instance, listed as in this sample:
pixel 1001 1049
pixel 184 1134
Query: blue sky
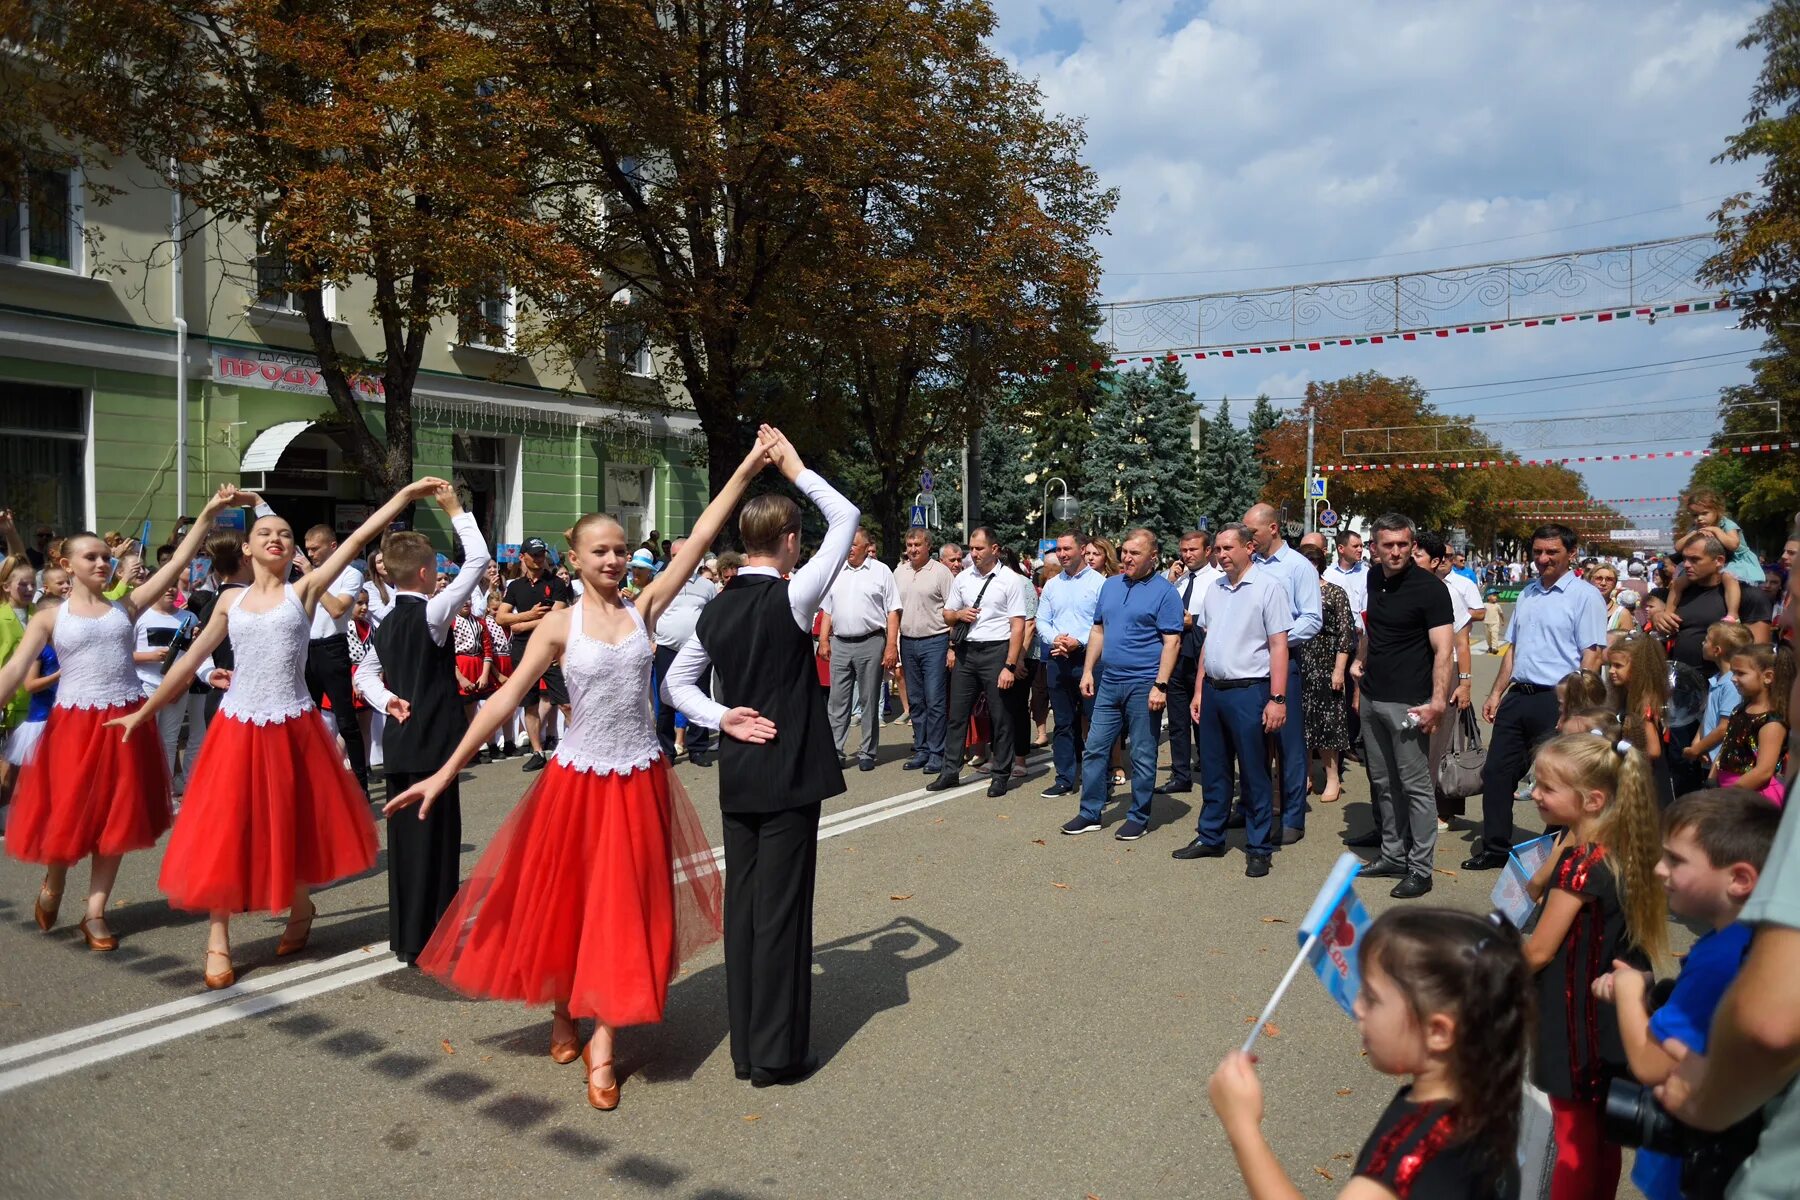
pixel 1247 134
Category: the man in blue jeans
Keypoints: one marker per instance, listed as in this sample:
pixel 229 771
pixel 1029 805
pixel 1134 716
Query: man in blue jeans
pixel 924 586
pixel 1242 697
pixel 1064 617
pixel 1133 644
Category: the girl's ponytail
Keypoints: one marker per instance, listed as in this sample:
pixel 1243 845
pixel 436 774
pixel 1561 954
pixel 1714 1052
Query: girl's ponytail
pixel 1449 961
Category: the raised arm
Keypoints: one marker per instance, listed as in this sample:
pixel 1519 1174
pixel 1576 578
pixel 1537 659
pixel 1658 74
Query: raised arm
pixel 656 597
pixel 811 582
pixel 15 544
pixel 316 582
pixel 145 594
pixel 441 609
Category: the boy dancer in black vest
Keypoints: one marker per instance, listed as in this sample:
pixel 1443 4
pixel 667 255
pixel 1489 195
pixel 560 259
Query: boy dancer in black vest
pixel 409 672
pixel 777 762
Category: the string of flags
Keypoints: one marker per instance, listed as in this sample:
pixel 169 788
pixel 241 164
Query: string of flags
pixel 1477 464
pixel 1582 502
pixel 1248 350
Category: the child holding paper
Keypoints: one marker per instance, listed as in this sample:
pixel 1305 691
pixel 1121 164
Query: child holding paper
pixel 1445 1000
pixel 1714 848
pixel 1598 901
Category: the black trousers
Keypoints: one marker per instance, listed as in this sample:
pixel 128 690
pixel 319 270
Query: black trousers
pixel 1018 708
pixel 424 865
pixel 978 667
pixel 1181 722
pixel 328 675
pixel 770 861
pixel 1520 724
pixel 699 737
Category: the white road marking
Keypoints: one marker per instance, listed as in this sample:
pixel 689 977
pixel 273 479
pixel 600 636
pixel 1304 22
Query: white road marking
pixel 61 1053
pixel 143 1039
pixel 161 1012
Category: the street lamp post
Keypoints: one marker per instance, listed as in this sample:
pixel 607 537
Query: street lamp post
pixel 1067 507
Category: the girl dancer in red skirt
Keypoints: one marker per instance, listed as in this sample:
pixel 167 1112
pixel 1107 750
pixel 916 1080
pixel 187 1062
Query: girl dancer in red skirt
pixel 87 792
pixel 270 811
pixel 601 880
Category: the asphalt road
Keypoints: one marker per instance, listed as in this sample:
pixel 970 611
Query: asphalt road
pixel 1001 1011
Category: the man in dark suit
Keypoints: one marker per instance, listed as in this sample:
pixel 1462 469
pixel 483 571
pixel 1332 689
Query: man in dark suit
pixel 777 763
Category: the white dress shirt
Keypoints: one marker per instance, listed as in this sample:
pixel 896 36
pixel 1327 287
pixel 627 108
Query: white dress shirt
pixel 676 625
pixel 1465 600
pixel 1238 621
pixel 1204 578
pixel 861 598
pixel 440 610
pixel 806 588
pixel 325 625
pixel 1354 581
pixel 1004 601
pixel 378 608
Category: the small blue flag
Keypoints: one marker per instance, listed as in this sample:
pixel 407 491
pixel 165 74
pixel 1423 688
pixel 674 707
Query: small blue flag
pixel 1339 919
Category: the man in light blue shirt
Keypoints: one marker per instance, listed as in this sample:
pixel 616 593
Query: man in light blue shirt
pixel 1241 698
pixel 1301 580
pixel 1558 626
pixel 1065 616
pixel 1131 653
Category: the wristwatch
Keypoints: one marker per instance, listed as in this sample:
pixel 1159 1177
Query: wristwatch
pixel 1465 678
pixel 1013 667
pixel 1161 685
pixel 1281 700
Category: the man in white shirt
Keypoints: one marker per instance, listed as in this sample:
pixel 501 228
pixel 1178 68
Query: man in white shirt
pixel 328 653
pixel 673 630
pixel 987 599
pixel 1350 572
pixel 860 639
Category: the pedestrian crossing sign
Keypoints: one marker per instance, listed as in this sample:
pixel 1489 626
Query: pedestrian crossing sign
pixel 1315 489
pixel 917 520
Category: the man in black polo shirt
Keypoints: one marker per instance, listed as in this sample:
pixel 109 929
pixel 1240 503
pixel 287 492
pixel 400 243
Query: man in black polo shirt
pixel 528 599
pixel 1405 669
pixel 1702 604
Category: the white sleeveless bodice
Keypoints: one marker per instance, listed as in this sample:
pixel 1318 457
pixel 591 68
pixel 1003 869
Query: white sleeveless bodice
pixel 612 727
pixel 95 653
pixel 268 684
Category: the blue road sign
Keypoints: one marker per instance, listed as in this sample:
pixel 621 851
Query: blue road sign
pixel 1328 518
pixel 1316 488
pixel 918 516
pixel 925 480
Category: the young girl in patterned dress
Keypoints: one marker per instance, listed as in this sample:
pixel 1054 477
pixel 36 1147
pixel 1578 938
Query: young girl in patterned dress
pixel 601 880
pixel 1445 1000
pixel 1753 741
pixel 271 811
pixel 1599 901
pixel 88 793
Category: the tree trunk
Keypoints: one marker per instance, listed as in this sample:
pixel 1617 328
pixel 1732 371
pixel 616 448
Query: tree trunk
pixel 890 501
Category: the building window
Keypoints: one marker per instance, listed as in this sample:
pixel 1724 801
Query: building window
pixel 43 451
pixel 275 278
pixel 40 218
pixel 487 316
pixel 628 347
pixel 630 500
pixel 479 468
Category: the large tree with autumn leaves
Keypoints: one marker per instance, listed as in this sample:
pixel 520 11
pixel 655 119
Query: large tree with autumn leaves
pixel 352 140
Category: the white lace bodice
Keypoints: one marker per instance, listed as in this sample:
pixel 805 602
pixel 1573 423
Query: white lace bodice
pixel 612 727
pixel 95 652
pixel 268 684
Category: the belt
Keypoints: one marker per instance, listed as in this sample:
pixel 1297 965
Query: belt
pixel 1231 685
pixel 1531 689
pixel 923 637
pixel 859 637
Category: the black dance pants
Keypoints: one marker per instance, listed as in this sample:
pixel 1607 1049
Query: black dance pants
pixel 424 865
pixel 770 861
pixel 328 675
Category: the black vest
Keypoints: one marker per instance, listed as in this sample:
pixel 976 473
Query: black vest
pixel 423 674
pixel 764 661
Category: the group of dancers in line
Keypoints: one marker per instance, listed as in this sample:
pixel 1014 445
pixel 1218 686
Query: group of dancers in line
pixel 600 881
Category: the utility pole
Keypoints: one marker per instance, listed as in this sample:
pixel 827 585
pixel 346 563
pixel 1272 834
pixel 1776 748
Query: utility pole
pixel 1312 425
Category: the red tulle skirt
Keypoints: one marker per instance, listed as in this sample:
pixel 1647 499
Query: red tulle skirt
pixel 592 893
pixel 268 808
pixel 86 792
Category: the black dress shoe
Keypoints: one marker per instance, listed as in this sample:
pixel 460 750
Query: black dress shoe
pixel 742 1073
pixel 1198 849
pixel 1234 819
pixel 912 764
pixel 998 786
pixel 762 1078
pixel 1172 789
pixel 1383 869
pixel 1257 867
pixel 1291 834
pixel 1364 841
pixel 943 783
pixel 1487 860
pixel 1412 887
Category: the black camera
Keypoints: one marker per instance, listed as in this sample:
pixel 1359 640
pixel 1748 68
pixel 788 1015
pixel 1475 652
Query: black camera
pixel 1632 1117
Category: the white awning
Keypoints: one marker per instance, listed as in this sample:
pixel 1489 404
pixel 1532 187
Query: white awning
pixel 265 452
